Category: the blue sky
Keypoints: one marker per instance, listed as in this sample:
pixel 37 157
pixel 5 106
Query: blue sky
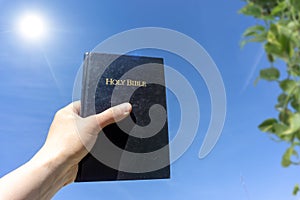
pixel 37 80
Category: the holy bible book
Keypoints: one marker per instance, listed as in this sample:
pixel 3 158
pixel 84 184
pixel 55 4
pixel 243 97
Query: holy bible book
pixel 136 148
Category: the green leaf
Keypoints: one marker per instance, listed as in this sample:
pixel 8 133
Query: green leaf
pixel 254 30
pixel 288 85
pixel 285 162
pixel 287 138
pixel 284 37
pixel 261 37
pixel 294 123
pixel 273 34
pixel 252 10
pixel 296 104
pixel 279 129
pixel 275 49
pixel 285 115
pixel 282 100
pixel 270 74
pixel 296 189
pixel 286 158
pixel 267 125
pixel 296 93
pixel 295 70
pixel 278 9
pixel 279 41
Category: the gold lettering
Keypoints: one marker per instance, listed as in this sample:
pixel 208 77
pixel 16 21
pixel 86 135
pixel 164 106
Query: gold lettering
pixel 122 82
pixel 109 81
pixel 127 82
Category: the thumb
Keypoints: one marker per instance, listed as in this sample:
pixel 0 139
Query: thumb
pixel 109 116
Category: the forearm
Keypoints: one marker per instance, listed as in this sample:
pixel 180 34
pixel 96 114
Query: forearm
pixel 40 178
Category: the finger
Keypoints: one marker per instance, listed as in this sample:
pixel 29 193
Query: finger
pixel 111 115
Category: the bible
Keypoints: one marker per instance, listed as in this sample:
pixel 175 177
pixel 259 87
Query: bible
pixel 136 148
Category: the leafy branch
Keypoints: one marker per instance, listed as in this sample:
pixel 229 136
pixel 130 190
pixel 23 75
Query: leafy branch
pixel 278 29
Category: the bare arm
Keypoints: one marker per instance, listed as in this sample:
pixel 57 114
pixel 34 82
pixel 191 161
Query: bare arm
pixel 56 163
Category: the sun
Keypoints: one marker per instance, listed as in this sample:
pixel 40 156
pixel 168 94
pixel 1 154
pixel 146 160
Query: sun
pixel 32 26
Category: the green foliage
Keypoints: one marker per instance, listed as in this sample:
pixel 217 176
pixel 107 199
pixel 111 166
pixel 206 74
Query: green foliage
pixel 296 189
pixel 286 158
pixel 270 74
pixel 278 29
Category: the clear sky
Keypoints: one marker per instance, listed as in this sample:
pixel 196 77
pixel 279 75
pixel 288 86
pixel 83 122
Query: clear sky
pixel 37 79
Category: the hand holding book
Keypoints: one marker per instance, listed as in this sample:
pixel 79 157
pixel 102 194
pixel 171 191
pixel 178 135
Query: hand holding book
pixel 56 163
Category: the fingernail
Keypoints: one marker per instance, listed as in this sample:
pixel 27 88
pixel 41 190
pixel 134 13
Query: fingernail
pixel 125 108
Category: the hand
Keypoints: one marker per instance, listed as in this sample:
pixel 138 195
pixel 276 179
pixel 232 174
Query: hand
pixel 71 136
pixel 69 139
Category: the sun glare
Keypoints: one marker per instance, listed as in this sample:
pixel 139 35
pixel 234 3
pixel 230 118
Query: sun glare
pixel 32 26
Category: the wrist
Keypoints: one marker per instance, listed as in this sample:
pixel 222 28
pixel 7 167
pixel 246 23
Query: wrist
pixel 40 178
pixel 57 172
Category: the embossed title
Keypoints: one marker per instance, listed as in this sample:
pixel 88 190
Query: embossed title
pixel 126 82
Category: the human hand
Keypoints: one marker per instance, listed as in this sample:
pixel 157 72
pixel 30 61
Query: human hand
pixel 55 165
pixel 70 136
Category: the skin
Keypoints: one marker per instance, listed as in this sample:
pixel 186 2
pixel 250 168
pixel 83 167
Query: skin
pixel 56 163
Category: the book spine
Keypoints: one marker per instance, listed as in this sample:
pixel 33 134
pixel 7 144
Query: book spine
pixel 84 83
pixel 83 99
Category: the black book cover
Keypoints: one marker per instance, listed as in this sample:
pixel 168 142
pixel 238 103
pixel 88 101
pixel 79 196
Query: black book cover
pixel 137 147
